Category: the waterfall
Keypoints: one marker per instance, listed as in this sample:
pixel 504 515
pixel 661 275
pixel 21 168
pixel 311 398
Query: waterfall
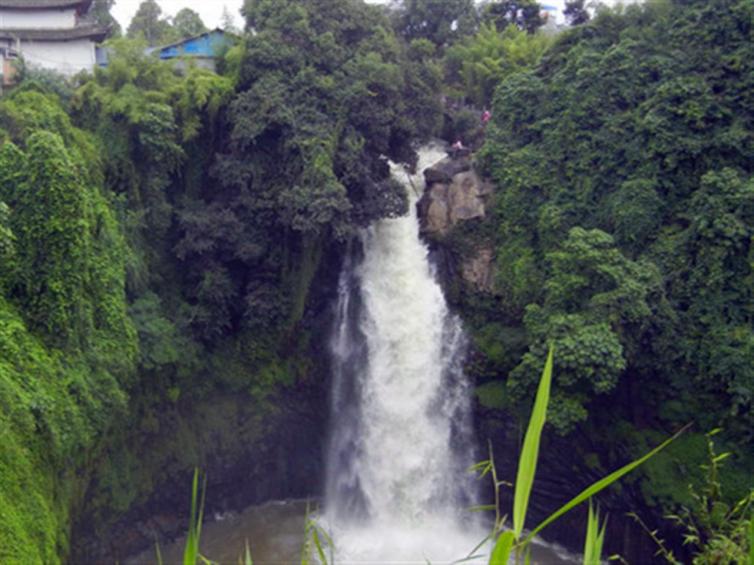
pixel 401 439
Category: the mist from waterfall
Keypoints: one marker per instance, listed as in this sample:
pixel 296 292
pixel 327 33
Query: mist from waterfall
pixel 401 440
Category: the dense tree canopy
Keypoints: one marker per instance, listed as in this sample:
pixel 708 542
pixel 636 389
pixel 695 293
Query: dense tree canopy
pixel 482 61
pixel 440 21
pixel 187 23
pixel 624 167
pixel 148 24
pixel 575 12
pixel 524 14
pixel 100 12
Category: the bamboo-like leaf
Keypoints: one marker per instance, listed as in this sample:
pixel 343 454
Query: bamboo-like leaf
pixel 473 553
pixel 191 551
pixel 600 485
pixel 591 535
pixel 595 537
pixel 159 553
pixel 482 508
pixel 502 551
pixel 600 542
pixel 318 545
pixel 527 463
pixel 247 560
pixel 483 467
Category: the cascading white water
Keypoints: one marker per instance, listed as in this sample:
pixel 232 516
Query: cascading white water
pixel 401 441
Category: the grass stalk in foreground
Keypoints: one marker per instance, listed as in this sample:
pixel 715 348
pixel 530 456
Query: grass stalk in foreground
pixel 191 553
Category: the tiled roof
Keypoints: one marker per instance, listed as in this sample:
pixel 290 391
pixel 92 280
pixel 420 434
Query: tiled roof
pixel 97 33
pixel 82 5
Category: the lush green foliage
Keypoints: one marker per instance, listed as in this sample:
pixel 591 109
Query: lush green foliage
pixel 481 62
pixel 188 23
pixel 148 24
pixel 524 14
pixel 623 231
pixel 68 348
pixel 624 165
pixel 163 249
pixel 715 530
pixel 162 235
pixel 441 22
pixel 100 13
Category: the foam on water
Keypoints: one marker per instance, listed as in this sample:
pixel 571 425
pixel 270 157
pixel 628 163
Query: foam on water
pixel 397 489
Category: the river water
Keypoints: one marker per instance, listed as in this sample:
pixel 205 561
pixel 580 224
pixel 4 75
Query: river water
pixel 275 533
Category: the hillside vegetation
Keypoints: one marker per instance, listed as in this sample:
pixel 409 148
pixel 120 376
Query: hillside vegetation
pixel 170 239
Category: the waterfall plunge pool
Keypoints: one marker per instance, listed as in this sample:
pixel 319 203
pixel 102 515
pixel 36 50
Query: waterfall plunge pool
pixel 275 532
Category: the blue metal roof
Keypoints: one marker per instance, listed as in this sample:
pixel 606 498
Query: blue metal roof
pixel 208 44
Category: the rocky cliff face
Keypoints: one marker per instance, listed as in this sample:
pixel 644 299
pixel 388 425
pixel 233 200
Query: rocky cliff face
pixel 455 194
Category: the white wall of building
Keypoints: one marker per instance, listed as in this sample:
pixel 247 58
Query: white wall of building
pixel 67 57
pixel 37 19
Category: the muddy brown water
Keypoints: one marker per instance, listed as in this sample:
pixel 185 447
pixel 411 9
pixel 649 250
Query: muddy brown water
pixel 275 534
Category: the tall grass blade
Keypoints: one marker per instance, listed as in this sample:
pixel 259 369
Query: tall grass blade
pixel 502 550
pixel 600 541
pixel 595 537
pixel 600 485
pixel 191 551
pixel 159 553
pixel 591 536
pixel 247 560
pixel 527 464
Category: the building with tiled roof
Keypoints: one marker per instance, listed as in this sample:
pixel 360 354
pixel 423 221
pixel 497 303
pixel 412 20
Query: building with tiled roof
pixel 48 34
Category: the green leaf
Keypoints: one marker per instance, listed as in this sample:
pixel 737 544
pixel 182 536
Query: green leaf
pixel 159 554
pixel 191 551
pixel 318 545
pixel 527 464
pixel 595 537
pixel 502 551
pixel 247 555
pixel 482 508
pixel 600 485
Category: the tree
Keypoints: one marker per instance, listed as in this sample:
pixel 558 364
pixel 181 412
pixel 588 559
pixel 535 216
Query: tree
pixel 7 247
pixel 148 24
pixel 634 142
pixel 187 23
pixel 101 12
pixel 575 12
pixel 228 22
pixel 481 62
pixel 440 21
pixel 525 14
pixel 592 290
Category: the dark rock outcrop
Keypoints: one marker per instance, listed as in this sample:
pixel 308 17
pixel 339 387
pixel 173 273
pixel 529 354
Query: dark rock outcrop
pixel 455 192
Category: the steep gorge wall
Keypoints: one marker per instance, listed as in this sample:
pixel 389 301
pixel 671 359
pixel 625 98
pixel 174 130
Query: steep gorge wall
pixel 253 444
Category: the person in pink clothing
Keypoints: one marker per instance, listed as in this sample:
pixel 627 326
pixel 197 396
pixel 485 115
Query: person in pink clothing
pixel 486 117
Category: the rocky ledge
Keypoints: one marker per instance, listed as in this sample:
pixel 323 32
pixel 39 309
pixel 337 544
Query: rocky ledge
pixel 455 192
